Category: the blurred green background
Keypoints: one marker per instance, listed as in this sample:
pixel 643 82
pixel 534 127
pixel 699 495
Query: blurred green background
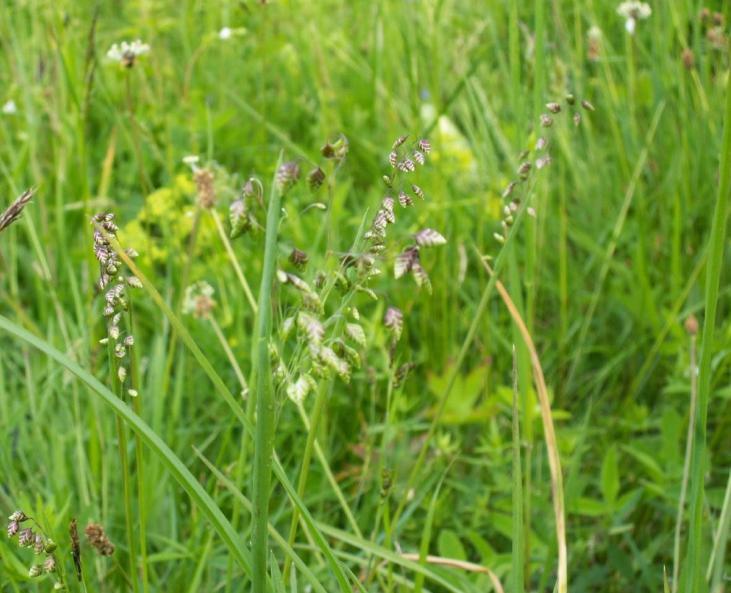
pixel 605 275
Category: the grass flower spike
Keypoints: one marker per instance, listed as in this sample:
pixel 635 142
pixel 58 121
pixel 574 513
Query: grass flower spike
pixel 633 12
pixel 126 52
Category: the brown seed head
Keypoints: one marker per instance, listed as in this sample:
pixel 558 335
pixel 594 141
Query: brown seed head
pixel 13 212
pixel 688 58
pixel 98 539
pixel 204 186
pixel 298 258
pixel 691 325
pixel 316 178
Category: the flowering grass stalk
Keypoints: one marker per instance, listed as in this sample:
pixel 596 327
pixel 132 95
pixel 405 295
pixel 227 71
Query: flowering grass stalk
pixel 122 371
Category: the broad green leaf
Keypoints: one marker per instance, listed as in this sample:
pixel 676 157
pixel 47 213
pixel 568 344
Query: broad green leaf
pixel 449 545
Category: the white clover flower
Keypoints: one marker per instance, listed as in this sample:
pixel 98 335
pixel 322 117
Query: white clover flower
pixel 10 108
pixel 127 52
pixel 192 161
pixel 632 12
pixel 225 33
pixel 198 300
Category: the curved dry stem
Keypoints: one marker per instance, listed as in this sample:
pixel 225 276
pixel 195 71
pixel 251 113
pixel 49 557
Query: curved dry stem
pixel 554 460
pixel 462 565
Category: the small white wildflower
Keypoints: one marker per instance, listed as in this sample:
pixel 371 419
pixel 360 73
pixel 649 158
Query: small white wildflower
pixel 594 33
pixel 192 161
pixel 198 300
pixel 127 52
pixel 10 108
pixel 632 12
pixel 132 392
pixel 122 374
pixel 225 33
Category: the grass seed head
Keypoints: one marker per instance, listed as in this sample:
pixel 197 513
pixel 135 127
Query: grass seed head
pixel 98 539
pixel 204 186
pixel 13 212
pixel 288 175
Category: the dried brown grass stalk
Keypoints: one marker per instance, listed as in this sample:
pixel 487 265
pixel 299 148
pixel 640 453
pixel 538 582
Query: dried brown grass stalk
pixel 462 565
pixel 554 460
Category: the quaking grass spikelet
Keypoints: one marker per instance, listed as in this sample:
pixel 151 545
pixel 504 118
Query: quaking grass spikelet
pixel 33 537
pixel 536 160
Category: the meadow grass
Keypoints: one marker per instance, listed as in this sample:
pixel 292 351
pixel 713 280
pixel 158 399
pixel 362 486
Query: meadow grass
pixel 525 424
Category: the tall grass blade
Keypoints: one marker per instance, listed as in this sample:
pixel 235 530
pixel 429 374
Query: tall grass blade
pixel 693 567
pixel 265 405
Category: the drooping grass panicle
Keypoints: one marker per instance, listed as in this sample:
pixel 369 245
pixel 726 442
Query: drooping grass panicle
pixel 115 285
pixel 14 211
pixel 34 538
pixel 536 160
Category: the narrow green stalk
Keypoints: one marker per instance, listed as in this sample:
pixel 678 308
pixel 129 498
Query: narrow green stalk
pixel 126 478
pixel 172 347
pixel 265 405
pixel 331 477
pixel 686 464
pixel 139 461
pixel 144 181
pixel 234 262
pixel 519 551
pixel 229 353
pixel 514 54
pixel 694 581
pixel 716 563
pixel 382 463
pixel 322 396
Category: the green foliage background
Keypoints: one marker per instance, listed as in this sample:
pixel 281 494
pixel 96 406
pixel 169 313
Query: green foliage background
pixel 474 76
